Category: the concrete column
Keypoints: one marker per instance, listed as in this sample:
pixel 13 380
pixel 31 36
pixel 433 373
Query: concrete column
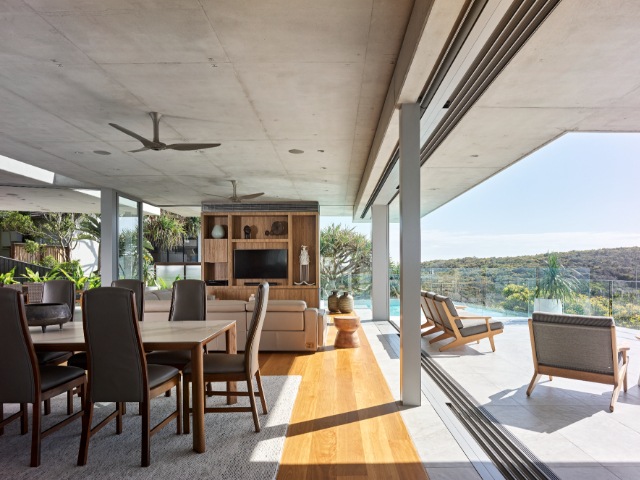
pixel 410 392
pixel 108 236
pixel 380 262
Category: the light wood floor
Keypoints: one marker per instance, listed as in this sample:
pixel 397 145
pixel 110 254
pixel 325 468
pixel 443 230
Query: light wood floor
pixel 345 423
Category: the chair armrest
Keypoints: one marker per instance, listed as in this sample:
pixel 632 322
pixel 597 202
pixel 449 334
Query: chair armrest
pixel 466 317
pixel 624 348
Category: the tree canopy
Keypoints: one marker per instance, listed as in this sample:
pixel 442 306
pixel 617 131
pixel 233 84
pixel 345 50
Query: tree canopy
pixel 345 259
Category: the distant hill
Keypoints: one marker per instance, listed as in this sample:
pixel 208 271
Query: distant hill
pixel 604 263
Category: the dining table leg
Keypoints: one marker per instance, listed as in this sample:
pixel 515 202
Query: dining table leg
pixel 197 398
pixel 232 347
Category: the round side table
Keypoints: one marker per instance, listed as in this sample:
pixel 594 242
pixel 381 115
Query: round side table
pixel 347 326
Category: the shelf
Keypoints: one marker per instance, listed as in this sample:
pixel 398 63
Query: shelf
pixel 260 240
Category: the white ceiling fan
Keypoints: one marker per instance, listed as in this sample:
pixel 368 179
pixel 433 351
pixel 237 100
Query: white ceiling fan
pixel 235 198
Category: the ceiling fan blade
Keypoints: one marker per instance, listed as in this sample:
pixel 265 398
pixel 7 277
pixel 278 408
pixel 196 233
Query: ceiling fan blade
pixel 191 146
pixel 139 150
pixel 250 196
pixel 141 139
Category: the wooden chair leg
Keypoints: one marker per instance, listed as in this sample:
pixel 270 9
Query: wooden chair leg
pixel 24 421
pixel 146 434
pixel 36 435
pixel 70 402
pixel 439 337
pixel 87 420
pixel 614 396
pixel 263 400
pixel 119 409
pixel 254 407
pixel 186 424
pixel 493 345
pixel 47 407
pixel 532 384
pixel 179 409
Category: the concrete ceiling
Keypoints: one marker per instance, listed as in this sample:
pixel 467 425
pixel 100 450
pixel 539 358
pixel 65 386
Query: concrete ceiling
pixel 302 95
pixel 260 77
pixel 579 71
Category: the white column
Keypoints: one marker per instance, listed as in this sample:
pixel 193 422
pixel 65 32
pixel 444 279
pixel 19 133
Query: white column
pixel 380 262
pixel 410 392
pixel 108 236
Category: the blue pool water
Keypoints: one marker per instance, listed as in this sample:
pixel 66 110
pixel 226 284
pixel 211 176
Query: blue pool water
pixel 394 308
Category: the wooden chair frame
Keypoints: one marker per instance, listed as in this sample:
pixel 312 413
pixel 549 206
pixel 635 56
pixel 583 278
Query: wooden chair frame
pixel 618 379
pixel 454 331
pixel 430 322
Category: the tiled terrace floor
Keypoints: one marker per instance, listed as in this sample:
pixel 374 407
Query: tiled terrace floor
pixel 565 423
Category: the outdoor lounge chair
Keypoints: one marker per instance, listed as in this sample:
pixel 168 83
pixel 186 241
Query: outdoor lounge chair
pixel 430 315
pixel 578 347
pixel 453 326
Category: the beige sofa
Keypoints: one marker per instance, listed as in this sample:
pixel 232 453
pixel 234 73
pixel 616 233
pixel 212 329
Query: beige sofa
pixel 289 325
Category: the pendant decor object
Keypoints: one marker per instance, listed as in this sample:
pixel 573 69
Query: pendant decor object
pixel 247 232
pixel 333 302
pixel 218 231
pixel 345 303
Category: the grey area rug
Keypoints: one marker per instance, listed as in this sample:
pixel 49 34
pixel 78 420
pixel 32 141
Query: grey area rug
pixel 234 449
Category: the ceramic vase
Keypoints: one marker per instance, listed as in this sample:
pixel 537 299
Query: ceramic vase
pixel 345 303
pixel 333 302
pixel 217 232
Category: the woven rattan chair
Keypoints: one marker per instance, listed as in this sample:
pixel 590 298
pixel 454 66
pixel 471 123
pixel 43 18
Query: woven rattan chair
pixel 578 347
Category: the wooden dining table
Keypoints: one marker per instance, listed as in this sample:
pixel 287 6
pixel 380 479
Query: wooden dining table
pixel 183 335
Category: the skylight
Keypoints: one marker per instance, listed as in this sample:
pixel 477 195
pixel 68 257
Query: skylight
pixel 26 170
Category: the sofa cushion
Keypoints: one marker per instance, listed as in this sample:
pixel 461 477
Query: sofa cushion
pixel 226 306
pixel 152 295
pixel 157 306
pixel 293 321
pixel 281 306
pixel 468 331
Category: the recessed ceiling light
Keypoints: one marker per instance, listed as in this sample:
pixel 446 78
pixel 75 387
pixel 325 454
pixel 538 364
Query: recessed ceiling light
pixel 474 156
pixel 296 151
pixel 101 152
pixel 321 151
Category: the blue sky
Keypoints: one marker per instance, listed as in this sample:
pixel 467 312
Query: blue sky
pixel 577 193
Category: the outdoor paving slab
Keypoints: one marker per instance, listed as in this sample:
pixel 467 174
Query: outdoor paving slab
pixel 453 473
pixel 584 473
pixel 631 472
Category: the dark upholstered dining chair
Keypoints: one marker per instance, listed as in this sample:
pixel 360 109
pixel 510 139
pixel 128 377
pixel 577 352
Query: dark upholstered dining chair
pixel 230 367
pixel 137 287
pixel 118 370
pixel 22 380
pixel 188 302
pixel 79 359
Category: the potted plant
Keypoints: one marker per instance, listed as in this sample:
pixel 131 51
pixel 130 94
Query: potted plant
pixel 35 285
pixel 6 279
pixel 554 287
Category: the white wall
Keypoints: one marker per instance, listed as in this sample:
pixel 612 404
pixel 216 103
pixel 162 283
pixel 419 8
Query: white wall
pixel 87 253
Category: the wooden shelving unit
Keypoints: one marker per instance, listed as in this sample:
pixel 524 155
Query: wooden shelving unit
pixel 218 254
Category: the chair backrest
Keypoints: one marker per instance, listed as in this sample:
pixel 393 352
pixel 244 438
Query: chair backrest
pixel 188 300
pixel 252 346
pixel 60 291
pixel 425 306
pixel 18 372
pixel 443 311
pixel 137 287
pixel 115 356
pixel 431 304
pixel 575 342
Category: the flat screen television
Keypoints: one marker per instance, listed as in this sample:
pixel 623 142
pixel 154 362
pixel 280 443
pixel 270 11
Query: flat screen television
pixel 260 263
